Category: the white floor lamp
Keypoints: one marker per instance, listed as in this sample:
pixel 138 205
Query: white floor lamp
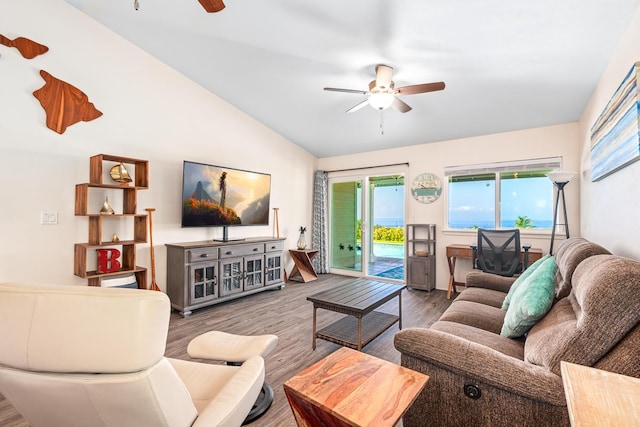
pixel 559 179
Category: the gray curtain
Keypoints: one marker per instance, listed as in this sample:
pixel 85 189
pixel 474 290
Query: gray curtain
pixel 320 234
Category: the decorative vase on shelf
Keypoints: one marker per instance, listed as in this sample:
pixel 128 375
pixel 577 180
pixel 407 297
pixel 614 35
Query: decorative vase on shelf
pixel 302 241
pixel 106 208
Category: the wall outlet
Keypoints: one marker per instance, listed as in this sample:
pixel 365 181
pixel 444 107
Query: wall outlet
pixel 48 218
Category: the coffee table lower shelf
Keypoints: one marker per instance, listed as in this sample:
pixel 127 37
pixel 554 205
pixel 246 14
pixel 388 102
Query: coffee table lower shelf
pixel 345 330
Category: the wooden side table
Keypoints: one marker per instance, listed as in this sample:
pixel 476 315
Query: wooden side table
pixel 350 388
pixel 303 267
pixel 600 398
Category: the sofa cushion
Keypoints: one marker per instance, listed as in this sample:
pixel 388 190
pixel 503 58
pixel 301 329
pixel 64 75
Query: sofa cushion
pixel 507 346
pixel 603 307
pixel 623 358
pixel 475 314
pixel 484 296
pixel 531 300
pixel 570 253
pixel 525 274
pixel 480 279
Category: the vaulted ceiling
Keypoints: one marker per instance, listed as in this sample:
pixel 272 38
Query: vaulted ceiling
pixel 507 64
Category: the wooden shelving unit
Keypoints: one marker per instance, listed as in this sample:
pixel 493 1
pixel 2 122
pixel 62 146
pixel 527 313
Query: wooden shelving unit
pixel 95 239
pixel 420 252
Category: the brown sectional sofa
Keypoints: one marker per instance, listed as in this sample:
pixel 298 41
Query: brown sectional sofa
pixel 480 378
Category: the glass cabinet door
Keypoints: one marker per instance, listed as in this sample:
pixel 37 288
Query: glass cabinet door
pixel 273 268
pixel 231 278
pixel 204 279
pixel 253 277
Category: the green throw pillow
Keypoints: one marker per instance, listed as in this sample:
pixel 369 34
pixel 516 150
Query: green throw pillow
pixel 531 301
pixel 520 279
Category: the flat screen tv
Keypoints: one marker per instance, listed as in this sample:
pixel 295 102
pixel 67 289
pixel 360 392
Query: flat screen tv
pixel 217 196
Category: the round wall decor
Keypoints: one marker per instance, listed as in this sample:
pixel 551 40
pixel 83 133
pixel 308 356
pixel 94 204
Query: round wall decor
pixel 426 188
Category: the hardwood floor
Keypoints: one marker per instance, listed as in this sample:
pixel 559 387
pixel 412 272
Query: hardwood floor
pixel 287 314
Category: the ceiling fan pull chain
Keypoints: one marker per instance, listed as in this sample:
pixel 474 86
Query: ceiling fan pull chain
pixel 381 123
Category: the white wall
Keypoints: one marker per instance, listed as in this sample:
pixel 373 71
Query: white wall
pixel 609 206
pixel 150 112
pixel 561 140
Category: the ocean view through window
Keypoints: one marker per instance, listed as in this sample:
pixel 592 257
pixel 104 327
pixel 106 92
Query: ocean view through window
pixel 501 195
pixel 504 224
pixel 389 222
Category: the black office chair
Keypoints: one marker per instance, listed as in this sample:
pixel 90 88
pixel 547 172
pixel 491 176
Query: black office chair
pixel 498 252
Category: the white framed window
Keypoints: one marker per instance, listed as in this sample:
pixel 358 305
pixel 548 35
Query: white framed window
pixel 515 194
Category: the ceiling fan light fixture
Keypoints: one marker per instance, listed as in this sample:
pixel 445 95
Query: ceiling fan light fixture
pixel 382 92
pixel 381 101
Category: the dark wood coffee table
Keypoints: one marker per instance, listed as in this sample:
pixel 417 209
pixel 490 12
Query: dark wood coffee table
pixel 357 299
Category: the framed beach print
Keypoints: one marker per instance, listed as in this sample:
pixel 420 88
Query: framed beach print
pixel 615 142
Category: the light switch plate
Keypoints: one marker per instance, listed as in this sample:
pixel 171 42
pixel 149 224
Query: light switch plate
pixel 48 218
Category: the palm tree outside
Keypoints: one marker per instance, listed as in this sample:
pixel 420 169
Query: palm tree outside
pixel 524 222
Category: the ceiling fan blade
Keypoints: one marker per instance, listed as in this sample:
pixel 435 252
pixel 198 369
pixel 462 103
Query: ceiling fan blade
pixel 212 6
pixel 358 106
pixel 400 105
pixel 334 89
pixel 383 76
pixel 421 88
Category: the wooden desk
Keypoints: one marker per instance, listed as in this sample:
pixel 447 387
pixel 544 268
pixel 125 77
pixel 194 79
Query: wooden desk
pixel 303 267
pixel 350 388
pixel 464 251
pixel 600 398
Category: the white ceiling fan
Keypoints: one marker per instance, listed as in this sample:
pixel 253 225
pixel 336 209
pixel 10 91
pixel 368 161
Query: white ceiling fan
pixel 382 93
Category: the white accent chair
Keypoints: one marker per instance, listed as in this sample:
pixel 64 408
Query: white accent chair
pixel 235 350
pixel 88 356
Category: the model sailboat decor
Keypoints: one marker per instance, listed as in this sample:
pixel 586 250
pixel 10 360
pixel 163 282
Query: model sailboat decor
pixel 119 174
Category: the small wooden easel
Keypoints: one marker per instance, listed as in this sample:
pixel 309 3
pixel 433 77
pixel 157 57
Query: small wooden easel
pixel 154 285
pixel 275 220
pixel 277 225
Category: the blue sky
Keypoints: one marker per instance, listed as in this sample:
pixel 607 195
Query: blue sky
pixel 531 197
pixel 389 202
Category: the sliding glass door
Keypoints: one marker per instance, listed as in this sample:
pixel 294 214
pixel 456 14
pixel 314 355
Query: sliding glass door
pixel 367 227
pixel 386 227
pixel 346 220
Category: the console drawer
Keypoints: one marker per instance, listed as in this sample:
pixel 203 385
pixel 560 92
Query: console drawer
pixel 241 250
pixel 274 246
pixel 202 254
